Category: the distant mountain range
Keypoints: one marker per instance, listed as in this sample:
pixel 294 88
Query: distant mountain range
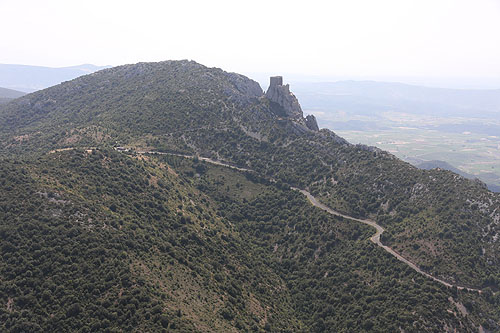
pixel 428 165
pixel 370 102
pixel 436 164
pixel 31 78
pixel 8 94
pixel 371 97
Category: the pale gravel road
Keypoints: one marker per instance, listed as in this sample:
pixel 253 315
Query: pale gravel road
pixel 315 202
pixel 376 239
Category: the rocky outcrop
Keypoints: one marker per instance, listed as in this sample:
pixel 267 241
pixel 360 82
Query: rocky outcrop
pixel 244 85
pixel 242 91
pixel 281 95
pixel 285 104
pixel 311 123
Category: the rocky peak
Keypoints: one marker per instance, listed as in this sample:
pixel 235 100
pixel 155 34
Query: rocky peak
pixel 281 95
pixel 311 123
pixel 286 104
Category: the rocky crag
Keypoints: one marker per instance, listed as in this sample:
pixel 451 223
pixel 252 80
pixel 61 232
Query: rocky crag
pixel 284 103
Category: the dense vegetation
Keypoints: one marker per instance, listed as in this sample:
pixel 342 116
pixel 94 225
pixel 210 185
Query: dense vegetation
pixel 437 218
pixel 94 239
pixel 98 240
pixel 338 280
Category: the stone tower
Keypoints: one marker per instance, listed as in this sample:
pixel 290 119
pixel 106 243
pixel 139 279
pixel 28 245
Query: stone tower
pixel 276 81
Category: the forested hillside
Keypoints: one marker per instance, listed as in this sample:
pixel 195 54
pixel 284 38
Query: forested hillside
pixel 96 238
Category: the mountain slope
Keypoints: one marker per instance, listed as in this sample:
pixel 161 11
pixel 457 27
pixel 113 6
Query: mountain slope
pixel 444 223
pixel 96 240
pixel 110 241
pixel 185 107
pixel 128 102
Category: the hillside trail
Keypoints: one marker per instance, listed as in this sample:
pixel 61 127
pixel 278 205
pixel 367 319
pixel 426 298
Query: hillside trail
pixel 205 159
pixel 315 202
pixel 376 239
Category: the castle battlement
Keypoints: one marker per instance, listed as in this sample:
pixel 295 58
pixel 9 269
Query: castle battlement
pixel 276 81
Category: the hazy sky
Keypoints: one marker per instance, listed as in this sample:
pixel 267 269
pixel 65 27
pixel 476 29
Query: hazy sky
pixel 433 38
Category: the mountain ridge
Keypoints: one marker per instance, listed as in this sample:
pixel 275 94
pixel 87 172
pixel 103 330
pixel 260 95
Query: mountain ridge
pixel 10 93
pixel 6 95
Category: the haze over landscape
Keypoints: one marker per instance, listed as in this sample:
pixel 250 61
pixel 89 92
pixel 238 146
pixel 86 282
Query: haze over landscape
pixel 326 166
pixel 359 39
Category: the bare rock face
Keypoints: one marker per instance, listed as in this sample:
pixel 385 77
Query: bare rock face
pixel 244 85
pixel 311 123
pixel 243 90
pixel 281 95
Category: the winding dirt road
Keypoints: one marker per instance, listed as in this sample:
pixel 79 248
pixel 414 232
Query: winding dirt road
pixel 315 202
pixel 205 159
pixel 376 239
